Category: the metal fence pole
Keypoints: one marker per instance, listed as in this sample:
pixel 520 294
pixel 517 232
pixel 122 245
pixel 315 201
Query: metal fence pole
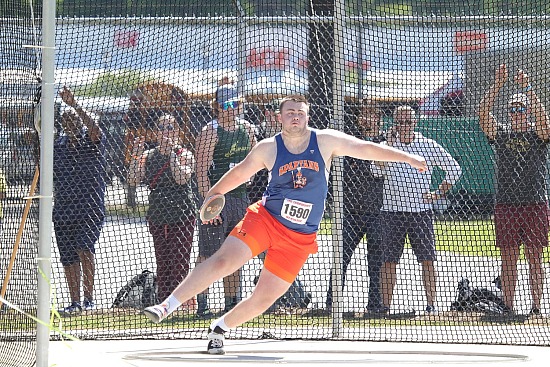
pixel 46 182
pixel 337 170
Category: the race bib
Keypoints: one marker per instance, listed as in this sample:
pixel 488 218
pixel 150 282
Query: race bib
pixel 296 211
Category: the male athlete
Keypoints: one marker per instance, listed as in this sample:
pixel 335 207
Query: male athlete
pixel 285 222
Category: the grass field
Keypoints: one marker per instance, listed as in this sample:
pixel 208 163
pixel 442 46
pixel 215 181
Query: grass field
pixel 113 320
pixel 465 237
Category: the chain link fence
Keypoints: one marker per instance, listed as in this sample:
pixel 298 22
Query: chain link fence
pixel 201 84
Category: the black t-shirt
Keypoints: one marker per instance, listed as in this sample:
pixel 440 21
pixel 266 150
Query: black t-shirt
pixel 363 192
pixel 520 167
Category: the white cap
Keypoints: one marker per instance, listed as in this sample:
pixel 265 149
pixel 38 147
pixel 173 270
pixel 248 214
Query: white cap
pixel 518 98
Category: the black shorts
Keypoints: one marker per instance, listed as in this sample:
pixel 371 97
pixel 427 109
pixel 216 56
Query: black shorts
pixel 396 226
pixel 212 236
pixel 73 237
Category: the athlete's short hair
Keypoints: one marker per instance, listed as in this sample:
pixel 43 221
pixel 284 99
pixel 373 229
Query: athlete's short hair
pixel 298 98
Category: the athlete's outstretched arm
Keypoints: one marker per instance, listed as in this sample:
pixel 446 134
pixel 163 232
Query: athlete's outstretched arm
pixel 340 144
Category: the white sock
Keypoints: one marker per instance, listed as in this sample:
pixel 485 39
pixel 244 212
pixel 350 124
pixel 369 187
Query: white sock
pixel 220 323
pixel 171 304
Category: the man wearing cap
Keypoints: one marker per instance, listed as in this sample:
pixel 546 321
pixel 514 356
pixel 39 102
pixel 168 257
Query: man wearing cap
pixel 221 145
pixel 521 211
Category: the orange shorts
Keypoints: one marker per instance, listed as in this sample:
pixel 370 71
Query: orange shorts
pixel 287 250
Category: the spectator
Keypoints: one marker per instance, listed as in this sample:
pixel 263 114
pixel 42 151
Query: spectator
pixel 3 190
pixel 168 170
pixel 521 211
pixel 139 121
pixel 79 203
pixel 362 202
pixel 407 203
pixel 222 144
pixel 148 102
pixel 269 126
pixel 285 223
pixel 227 80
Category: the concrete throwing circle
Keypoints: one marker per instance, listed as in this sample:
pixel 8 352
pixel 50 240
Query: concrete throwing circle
pixel 329 357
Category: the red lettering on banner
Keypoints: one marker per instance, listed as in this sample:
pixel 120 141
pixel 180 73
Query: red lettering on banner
pixel 126 39
pixel 267 58
pixel 467 41
pixel 365 65
pixel 351 64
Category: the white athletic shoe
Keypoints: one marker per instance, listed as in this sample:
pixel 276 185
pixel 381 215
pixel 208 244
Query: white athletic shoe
pixel 215 343
pixel 156 313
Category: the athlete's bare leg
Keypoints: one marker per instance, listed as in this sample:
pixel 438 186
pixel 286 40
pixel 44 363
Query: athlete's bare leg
pixel 232 255
pixel 269 288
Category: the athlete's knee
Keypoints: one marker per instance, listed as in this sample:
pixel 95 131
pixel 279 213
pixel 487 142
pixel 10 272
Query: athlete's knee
pixel 221 263
pixel 227 260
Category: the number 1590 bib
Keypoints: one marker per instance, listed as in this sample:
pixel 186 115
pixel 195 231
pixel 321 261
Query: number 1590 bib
pixel 296 211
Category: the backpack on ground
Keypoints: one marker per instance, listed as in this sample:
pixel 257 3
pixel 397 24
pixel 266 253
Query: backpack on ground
pixel 139 292
pixel 479 299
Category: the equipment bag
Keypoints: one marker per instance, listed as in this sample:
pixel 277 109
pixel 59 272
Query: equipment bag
pixel 139 292
pixel 479 299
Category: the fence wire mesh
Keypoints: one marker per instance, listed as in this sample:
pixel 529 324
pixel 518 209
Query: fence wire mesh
pixel 158 99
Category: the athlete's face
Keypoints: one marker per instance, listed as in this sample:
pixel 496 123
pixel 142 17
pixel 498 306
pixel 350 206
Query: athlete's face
pixel 294 116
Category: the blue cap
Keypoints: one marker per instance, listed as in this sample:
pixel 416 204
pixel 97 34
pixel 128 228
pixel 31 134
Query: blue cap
pixel 227 93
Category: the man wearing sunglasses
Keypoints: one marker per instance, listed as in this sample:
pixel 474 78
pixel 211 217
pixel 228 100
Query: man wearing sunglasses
pixel 221 145
pixel 521 211
pixel 407 204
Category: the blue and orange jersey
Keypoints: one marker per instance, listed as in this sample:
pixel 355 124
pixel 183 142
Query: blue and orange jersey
pixel 297 187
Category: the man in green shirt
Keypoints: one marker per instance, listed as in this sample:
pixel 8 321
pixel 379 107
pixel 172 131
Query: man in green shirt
pixel 222 144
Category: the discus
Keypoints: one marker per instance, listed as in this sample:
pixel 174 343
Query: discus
pixel 212 207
